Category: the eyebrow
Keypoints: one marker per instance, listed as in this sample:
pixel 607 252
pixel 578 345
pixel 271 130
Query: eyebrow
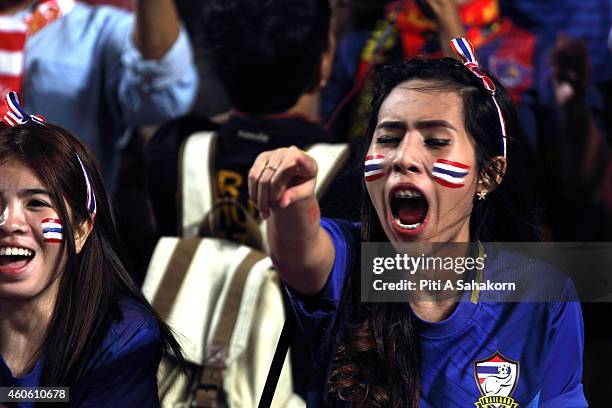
pixel 34 191
pixel 434 123
pixel 423 124
pixel 391 125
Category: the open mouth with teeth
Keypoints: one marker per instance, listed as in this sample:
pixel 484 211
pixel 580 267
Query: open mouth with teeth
pixel 15 258
pixel 408 208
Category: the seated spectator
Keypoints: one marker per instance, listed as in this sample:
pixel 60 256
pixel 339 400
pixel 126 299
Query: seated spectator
pixel 69 314
pixel 97 70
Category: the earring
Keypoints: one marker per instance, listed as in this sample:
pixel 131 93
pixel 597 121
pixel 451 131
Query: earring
pixel 482 195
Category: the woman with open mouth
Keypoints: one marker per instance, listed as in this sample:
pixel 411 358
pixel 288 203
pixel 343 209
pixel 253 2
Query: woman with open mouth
pixel 442 165
pixel 70 315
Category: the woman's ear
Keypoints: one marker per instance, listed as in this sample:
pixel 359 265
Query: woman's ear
pixel 492 174
pixel 81 234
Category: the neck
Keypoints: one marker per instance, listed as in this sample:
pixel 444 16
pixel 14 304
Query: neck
pixel 433 311
pixel 429 306
pixel 12 6
pixel 308 106
pixel 23 326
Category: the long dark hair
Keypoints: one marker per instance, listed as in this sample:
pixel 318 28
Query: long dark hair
pixel 95 280
pixel 373 347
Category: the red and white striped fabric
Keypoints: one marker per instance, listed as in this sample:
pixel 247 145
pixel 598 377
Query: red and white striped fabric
pixel 14 33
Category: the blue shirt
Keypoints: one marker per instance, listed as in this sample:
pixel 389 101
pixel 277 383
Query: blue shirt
pixel 83 72
pixel 544 340
pixel 122 373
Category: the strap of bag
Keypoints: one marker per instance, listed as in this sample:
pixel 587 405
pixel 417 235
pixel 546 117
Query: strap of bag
pixel 330 159
pixel 211 381
pixel 174 275
pixel 197 190
pixel 278 361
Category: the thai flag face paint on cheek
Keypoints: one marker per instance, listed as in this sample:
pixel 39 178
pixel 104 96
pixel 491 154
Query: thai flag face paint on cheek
pixel 52 230
pixel 449 173
pixel 374 167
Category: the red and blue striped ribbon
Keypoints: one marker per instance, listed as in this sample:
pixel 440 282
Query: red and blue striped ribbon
pixel 465 50
pixel 15 115
pixel 91 196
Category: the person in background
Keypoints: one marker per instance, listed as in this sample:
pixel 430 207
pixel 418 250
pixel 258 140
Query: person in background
pixel 272 60
pixel 70 315
pixel 97 70
pixel 273 84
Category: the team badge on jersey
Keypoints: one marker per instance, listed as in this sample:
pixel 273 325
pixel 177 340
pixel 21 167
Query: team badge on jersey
pixel 496 377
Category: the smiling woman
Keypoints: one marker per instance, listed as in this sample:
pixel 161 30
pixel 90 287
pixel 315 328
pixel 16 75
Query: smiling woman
pixel 69 314
pixel 443 165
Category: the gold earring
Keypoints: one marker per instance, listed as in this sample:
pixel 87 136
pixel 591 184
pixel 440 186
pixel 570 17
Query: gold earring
pixel 482 195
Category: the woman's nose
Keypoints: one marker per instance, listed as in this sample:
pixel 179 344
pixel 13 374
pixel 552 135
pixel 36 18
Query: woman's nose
pixel 409 157
pixel 12 221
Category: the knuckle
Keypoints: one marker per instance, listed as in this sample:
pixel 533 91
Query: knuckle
pixel 275 183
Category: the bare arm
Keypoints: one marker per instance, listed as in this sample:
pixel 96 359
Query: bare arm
pixel 449 23
pixel 281 184
pixel 157 27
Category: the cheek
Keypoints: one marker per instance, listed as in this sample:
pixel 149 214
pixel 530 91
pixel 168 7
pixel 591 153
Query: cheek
pixel 52 231
pixel 374 167
pixel 375 191
pixel 454 175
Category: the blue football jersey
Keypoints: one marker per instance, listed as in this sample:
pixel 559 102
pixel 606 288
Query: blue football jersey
pixel 485 354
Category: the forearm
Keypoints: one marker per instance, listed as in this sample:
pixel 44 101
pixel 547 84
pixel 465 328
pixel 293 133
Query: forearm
pixel 449 23
pixel 157 27
pixel 450 27
pixel 301 249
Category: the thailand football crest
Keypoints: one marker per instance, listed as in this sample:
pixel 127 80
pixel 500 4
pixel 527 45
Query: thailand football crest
pixel 496 377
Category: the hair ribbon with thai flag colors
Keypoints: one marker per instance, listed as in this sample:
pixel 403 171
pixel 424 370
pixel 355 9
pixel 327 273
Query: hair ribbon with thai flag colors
pixel 449 173
pixel 91 197
pixel 465 50
pixel 374 167
pixel 14 115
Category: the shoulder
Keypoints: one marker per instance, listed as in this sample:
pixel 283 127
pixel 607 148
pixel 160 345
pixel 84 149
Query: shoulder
pixel 534 279
pixel 123 370
pixel 167 139
pixel 134 335
pixel 341 230
pixel 98 13
pixel 102 20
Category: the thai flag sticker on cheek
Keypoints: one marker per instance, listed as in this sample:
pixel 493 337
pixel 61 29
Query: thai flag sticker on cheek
pixel 374 168
pixel 449 173
pixel 52 230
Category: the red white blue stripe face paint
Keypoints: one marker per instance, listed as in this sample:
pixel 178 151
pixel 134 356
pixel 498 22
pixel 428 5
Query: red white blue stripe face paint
pixel 52 230
pixel 450 174
pixel 374 167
